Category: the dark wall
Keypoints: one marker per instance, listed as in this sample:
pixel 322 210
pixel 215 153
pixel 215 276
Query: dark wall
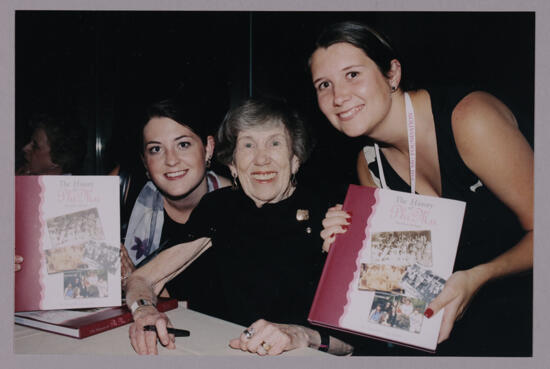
pixel 105 66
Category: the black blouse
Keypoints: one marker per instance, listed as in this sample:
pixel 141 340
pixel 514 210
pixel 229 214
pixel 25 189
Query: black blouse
pixel 264 262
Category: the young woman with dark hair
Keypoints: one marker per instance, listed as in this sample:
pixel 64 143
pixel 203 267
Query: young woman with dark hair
pixel 452 143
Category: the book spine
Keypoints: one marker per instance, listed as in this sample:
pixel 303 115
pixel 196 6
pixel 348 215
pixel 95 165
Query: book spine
pixel 114 322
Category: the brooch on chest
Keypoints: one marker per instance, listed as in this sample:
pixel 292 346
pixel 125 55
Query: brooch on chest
pixel 301 216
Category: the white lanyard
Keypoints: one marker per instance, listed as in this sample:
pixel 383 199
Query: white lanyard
pixel 411 134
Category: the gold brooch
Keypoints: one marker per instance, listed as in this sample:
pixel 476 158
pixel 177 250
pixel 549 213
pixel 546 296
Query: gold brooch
pixel 302 215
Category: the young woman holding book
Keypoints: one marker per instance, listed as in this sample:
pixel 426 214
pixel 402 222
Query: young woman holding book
pixel 453 143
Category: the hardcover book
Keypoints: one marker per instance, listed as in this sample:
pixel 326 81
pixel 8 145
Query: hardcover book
pixel 84 323
pixel 393 260
pixel 67 228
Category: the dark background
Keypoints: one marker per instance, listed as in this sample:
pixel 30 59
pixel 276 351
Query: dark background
pixel 104 67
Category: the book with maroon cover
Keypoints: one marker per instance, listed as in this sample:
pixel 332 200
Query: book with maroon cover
pixel 393 260
pixel 84 323
pixel 67 228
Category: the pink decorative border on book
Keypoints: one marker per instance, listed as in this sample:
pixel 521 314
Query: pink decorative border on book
pixel 328 305
pixel 353 283
pixel 29 285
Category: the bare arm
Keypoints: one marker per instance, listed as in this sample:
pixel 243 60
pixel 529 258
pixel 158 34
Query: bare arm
pixel 499 155
pixel 491 145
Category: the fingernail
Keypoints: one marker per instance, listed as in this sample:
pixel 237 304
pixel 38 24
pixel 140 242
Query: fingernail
pixel 19 259
pixel 350 213
pixel 345 226
pixel 428 313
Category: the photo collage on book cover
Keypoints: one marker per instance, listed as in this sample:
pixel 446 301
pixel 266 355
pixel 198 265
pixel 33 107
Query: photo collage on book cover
pixel 79 251
pixel 399 274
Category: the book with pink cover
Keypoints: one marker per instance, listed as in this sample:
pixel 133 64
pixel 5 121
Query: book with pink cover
pixel 393 260
pixel 67 228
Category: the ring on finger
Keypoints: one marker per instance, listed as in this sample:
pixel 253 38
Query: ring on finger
pixel 266 346
pixel 248 332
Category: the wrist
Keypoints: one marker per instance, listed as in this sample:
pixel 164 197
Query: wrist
pixel 138 303
pixel 480 274
pixel 318 340
pixel 325 342
pixel 143 311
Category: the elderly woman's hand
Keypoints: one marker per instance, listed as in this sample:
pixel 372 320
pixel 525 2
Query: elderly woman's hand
pixel 455 297
pixel 267 338
pixel 336 221
pixel 145 342
pixel 18 262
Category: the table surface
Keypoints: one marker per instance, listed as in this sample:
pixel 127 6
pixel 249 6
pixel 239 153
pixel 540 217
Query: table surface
pixel 209 336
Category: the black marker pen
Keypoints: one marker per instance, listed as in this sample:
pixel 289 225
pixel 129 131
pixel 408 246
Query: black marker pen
pixel 174 331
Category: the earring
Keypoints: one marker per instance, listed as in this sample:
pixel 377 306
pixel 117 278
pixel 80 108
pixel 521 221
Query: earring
pixel 208 162
pixel 393 88
pixel 234 185
pixel 293 180
pixel 147 174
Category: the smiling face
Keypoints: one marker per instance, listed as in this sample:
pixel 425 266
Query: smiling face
pixel 175 156
pixel 351 91
pixel 264 162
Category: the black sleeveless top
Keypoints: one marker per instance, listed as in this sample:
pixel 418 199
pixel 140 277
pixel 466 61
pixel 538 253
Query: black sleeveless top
pixel 499 319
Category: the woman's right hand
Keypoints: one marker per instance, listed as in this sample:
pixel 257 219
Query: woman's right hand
pixel 336 221
pixel 145 342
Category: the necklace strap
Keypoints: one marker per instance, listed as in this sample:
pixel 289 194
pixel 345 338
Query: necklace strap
pixel 411 133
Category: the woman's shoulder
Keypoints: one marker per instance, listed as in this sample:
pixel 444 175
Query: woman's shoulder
pixel 480 109
pixel 444 98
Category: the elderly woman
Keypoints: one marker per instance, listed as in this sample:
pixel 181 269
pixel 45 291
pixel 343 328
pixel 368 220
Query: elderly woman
pixel 264 260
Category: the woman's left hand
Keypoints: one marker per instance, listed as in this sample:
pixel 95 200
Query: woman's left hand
pixel 455 297
pixel 270 338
